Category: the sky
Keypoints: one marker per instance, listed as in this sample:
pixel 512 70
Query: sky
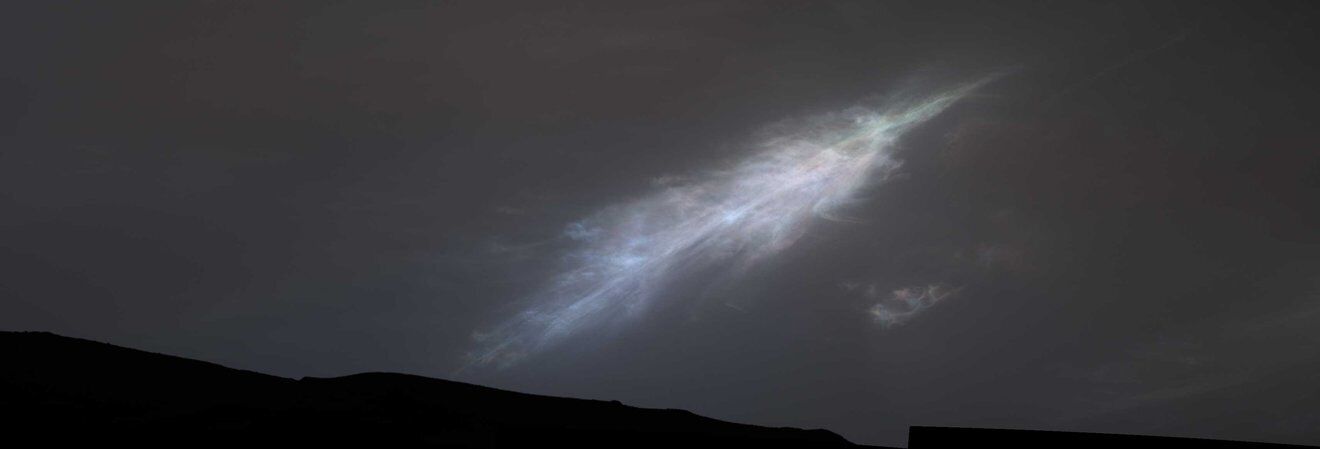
pixel 858 216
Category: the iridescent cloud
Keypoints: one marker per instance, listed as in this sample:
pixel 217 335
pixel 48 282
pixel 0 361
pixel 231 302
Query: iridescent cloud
pixel 628 255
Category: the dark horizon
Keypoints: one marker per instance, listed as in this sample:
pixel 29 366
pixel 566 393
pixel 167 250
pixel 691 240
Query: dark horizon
pixel 62 390
pixel 858 216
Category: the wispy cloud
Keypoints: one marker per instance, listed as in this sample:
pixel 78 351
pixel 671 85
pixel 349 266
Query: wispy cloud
pixel 724 222
pixel 902 305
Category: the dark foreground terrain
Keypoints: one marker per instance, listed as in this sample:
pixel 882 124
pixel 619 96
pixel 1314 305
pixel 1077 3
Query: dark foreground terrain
pixel 66 390
pixel 61 390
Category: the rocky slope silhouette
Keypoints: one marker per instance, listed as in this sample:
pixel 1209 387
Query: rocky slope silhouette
pixel 57 390
pixel 60 390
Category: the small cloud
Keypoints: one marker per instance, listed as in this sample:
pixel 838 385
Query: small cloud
pixel 582 231
pixel 902 305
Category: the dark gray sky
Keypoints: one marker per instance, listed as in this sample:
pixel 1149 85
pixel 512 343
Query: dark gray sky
pixel 1128 218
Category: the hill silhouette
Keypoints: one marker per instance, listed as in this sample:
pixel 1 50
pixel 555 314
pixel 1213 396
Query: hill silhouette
pixel 57 390
pixel 61 390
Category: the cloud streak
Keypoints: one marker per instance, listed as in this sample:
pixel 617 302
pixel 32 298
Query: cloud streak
pixel 725 222
pixel 904 304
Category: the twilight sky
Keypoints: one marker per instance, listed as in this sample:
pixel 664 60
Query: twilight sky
pixel 851 215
